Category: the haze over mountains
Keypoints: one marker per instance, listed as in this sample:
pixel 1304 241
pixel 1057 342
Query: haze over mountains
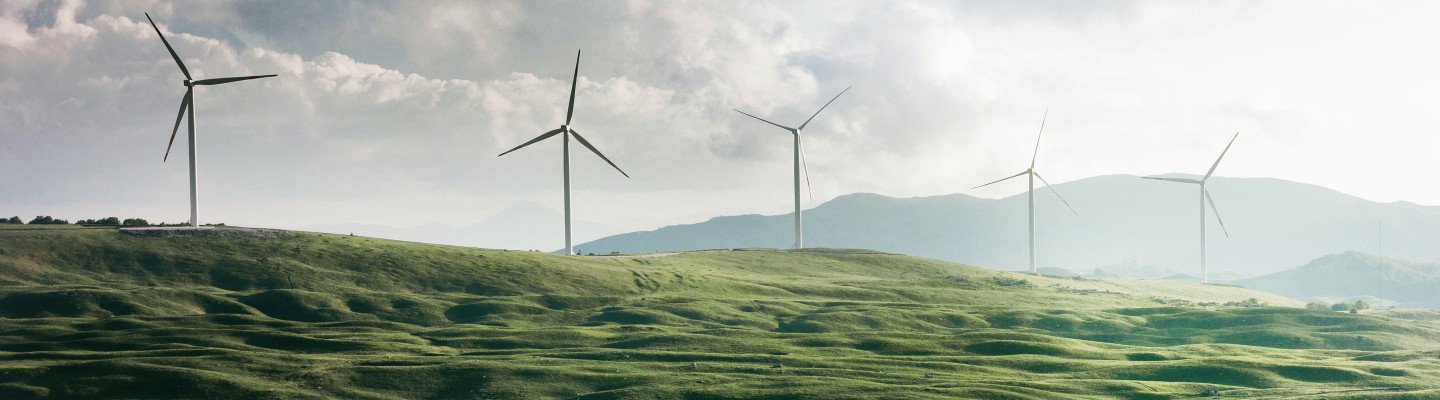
pixel 1123 220
pixel 524 226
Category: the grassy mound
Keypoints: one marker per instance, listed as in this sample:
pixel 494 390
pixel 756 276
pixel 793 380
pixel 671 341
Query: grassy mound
pixel 94 313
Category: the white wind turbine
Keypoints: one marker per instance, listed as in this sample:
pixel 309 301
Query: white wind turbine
pixel 1205 198
pixel 188 104
pixel 1031 192
pixel 565 150
pixel 799 163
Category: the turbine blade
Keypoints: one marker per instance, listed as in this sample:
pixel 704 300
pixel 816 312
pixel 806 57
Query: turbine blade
pixel 1002 180
pixel 542 136
pixel 1217 212
pixel 587 145
pixel 217 81
pixel 1057 194
pixel 185 103
pixel 570 111
pixel 804 164
pixel 768 122
pixel 575 79
pixel 1037 137
pixel 1222 155
pixel 1181 180
pixel 822 108
pixel 183 70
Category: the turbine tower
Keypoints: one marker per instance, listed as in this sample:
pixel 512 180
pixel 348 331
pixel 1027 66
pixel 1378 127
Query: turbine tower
pixel 565 150
pixel 799 163
pixel 1205 198
pixel 188 105
pixel 1031 192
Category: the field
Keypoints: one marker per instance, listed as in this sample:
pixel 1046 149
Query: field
pixel 96 313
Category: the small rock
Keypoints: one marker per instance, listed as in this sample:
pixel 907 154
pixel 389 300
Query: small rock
pixel 777 365
pixel 694 365
pixel 929 375
pixel 1210 393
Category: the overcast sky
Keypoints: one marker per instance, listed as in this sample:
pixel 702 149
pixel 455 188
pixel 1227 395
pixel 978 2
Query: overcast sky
pixel 392 112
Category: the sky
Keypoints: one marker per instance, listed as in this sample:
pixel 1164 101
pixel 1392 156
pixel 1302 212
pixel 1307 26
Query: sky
pixel 393 112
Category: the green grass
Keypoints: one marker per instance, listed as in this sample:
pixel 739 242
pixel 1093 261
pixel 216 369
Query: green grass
pixel 96 313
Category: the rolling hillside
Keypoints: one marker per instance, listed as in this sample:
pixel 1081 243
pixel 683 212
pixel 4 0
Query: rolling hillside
pixel 1123 220
pixel 87 313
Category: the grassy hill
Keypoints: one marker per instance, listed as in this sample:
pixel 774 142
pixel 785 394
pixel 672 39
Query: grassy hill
pixel 88 313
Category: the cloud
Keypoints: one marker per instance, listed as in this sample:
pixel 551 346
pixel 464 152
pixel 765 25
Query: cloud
pixel 392 112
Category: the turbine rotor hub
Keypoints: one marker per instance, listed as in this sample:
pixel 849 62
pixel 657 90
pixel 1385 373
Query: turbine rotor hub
pixel 188 83
pixel 564 128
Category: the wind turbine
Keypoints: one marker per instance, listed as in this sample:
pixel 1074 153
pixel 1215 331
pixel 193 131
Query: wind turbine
pixel 187 105
pixel 799 162
pixel 565 150
pixel 1031 193
pixel 1205 198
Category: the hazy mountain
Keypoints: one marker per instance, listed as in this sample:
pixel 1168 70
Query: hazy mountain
pixel 523 226
pixel 1132 269
pixel 1351 275
pixel 1274 224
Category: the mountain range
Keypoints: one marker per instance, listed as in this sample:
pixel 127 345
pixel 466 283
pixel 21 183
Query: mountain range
pixel 1352 275
pixel 1272 225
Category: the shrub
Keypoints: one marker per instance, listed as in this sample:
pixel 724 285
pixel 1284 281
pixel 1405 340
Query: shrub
pixel 134 222
pixel 1341 306
pixel 1317 306
pixel 1361 305
pixel 1012 282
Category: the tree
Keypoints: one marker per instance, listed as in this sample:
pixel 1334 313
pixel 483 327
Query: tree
pixel 1341 306
pixel 12 220
pixel 1317 306
pixel 47 220
pixel 1361 305
pixel 135 222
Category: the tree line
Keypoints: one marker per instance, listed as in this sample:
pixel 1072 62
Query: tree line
pixel 107 221
pixel 1342 306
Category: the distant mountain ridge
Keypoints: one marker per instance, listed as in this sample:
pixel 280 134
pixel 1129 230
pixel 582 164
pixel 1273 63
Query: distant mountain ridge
pixel 1273 225
pixel 1354 274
